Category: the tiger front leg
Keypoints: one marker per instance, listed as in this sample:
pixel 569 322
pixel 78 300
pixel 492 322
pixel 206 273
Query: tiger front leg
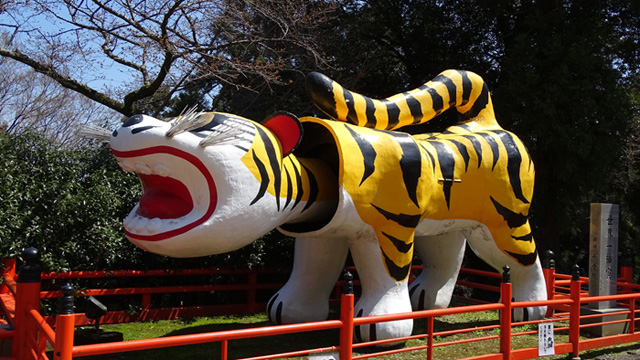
pixel 317 264
pixel 441 257
pixel 382 294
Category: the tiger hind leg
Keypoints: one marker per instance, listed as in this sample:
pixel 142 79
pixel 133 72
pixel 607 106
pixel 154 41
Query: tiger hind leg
pixel 441 257
pixel 528 283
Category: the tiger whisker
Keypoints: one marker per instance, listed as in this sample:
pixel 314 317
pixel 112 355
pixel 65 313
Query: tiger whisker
pixel 224 134
pixel 191 120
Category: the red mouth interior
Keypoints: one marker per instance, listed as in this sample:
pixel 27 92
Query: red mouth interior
pixel 164 198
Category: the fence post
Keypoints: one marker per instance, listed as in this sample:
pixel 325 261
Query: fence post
pixel 346 316
pixel 626 271
pixel 27 297
pixel 574 313
pixel 505 314
pixel 9 269
pixel 632 316
pixel 65 325
pixel 549 271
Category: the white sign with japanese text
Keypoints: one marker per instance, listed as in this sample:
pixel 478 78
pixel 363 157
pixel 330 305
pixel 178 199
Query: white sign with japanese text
pixel 545 339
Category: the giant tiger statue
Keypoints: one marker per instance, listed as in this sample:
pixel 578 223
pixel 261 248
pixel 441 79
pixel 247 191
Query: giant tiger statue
pixel 214 182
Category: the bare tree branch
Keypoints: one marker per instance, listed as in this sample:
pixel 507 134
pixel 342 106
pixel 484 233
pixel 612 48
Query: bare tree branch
pixel 63 80
pixel 29 100
pixel 159 44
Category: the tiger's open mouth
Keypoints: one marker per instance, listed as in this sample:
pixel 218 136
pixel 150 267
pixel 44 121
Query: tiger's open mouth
pixel 167 208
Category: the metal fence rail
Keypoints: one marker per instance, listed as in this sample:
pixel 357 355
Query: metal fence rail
pixel 32 332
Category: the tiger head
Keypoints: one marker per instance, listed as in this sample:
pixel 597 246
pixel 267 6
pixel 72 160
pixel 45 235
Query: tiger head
pixel 198 180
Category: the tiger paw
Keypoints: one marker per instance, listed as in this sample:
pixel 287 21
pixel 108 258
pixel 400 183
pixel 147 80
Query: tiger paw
pixel 424 296
pixel 389 303
pixel 285 307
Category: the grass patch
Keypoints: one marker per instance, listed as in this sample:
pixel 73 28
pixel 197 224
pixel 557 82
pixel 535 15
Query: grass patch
pixel 317 339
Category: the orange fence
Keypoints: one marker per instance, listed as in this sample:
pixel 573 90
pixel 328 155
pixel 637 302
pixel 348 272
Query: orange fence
pixel 250 286
pixel 31 332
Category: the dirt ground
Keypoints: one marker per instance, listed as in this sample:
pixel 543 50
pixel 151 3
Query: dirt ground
pixel 631 352
pixel 629 355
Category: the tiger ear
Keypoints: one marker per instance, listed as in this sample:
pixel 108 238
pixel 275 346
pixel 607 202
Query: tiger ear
pixel 287 128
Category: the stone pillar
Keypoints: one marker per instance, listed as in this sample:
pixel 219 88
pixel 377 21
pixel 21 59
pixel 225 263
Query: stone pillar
pixel 603 253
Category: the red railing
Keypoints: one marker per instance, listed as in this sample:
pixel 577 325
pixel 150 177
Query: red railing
pixel 32 332
pixel 251 287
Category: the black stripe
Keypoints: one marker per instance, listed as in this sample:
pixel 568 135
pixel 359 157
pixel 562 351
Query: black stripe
pixel 352 116
pixel 141 129
pixel 476 146
pixel 410 164
pixel 421 300
pixel 368 154
pixel 463 151
pixel 413 289
pixel 494 146
pixel 408 221
pixel 447 167
pixel 279 314
pixel 451 87
pixel 433 161
pixel 270 305
pixel 402 246
pixel 320 90
pixel 133 120
pixel 481 102
pixel 436 99
pixel 525 260
pixel 241 147
pixel 525 314
pixel 275 165
pixel 414 107
pixel 289 188
pixel 372 332
pixel 528 237
pixel 371 113
pixel 264 178
pixel 356 330
pixel 514 220
pixel 464 127
pixel 313 188
pixel 393 113
pixel 219 119
pixel 466 87
pixel 298 186
pixel 514 160
pixel 396 272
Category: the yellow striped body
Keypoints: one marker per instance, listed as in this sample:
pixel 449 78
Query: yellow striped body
pixel 472 171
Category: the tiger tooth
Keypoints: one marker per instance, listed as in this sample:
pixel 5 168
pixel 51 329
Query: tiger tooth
pixel 129 223
pixel 143 169
pixel 129 217
pixel 154 225
pixel 141 223
pixel 126 166
pixel 161 169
